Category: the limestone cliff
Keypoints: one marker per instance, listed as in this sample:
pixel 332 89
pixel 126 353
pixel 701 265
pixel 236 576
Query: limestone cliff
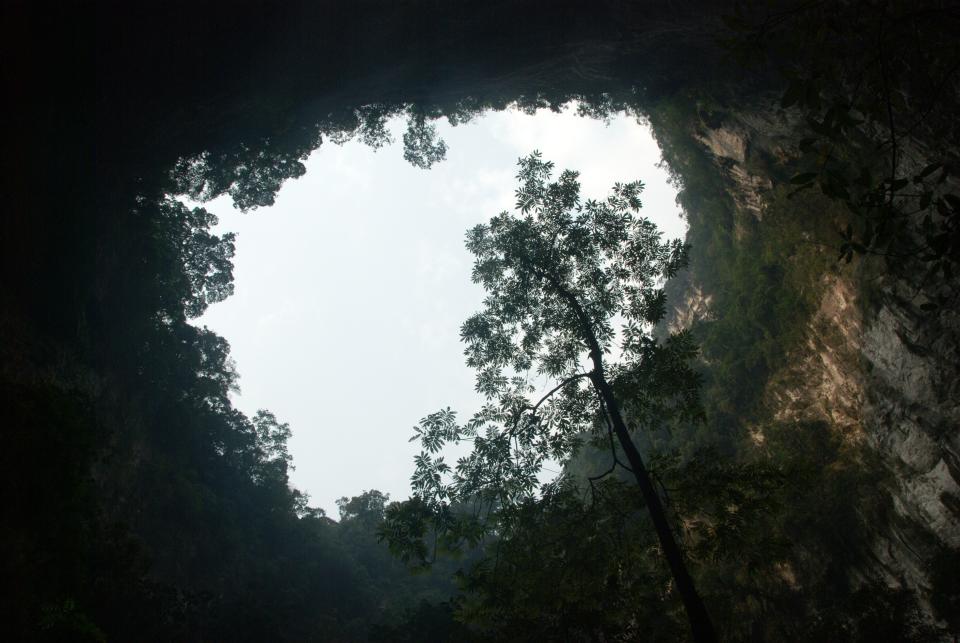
pixel 872 363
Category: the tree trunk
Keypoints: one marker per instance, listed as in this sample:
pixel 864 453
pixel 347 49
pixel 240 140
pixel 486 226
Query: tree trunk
pixel 700 623
pixel 697 614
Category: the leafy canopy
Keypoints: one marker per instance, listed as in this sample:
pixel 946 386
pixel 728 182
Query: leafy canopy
pixel 559 273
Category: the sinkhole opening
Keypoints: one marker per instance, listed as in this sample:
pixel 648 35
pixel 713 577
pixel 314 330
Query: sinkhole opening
pixel 350 290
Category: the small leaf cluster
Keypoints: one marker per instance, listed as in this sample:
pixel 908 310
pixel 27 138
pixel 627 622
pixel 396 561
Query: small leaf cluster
pixel 421 146
pixel 194 267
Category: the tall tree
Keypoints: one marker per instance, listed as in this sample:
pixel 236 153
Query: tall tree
pixel 558 275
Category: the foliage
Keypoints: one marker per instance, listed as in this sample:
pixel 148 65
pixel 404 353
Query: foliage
pixel 159 511
pixel 421 148
pixel 427 622
pixel 575 570
pixel 194 268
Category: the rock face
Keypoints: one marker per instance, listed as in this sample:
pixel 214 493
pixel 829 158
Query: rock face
pixel 828 366
pixel 729 146
pixel 878 369
pixel 912 413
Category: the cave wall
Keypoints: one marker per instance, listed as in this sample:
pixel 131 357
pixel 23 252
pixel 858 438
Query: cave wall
pixel 872 364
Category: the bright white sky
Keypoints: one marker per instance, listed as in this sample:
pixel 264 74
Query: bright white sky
pixel 350 291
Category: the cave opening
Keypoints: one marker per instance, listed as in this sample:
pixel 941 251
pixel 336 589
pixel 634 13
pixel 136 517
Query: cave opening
pixel 358 273
pixel 142 499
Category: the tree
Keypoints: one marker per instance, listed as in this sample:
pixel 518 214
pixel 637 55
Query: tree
pixel 367 508
pixel 421 147
pixel 558 274
pixel 193 268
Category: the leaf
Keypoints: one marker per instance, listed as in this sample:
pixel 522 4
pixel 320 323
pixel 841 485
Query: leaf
pixel 930 169
pixel 803 178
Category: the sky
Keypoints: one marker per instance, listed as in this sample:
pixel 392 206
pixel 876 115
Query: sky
pixel 350 290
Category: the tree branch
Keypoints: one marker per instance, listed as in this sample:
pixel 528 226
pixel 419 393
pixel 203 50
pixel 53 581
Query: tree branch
pixel 556 388
pixel 894 149
pixel 533 409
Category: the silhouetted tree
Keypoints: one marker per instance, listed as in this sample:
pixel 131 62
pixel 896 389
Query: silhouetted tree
pixel 557 274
